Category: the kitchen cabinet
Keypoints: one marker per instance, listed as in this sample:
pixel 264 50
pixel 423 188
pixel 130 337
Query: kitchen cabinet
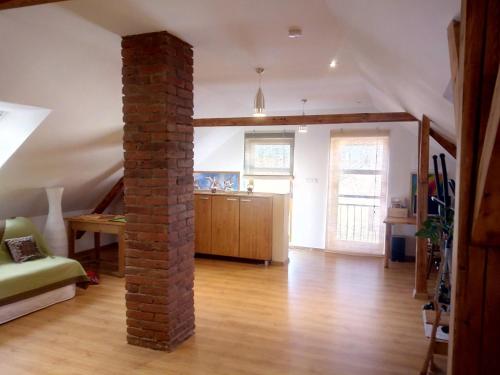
pixel 203 224
pixel 251 226
pixel 225 225
pixel 256 222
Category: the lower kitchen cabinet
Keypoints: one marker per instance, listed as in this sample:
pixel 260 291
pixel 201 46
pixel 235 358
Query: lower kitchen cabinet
pixel 203 224
pixel 225 225
pixel 256 222
pixel 240 225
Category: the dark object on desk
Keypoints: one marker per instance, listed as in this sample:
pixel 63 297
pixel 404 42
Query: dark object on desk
pixel 398 246
pixel 432 206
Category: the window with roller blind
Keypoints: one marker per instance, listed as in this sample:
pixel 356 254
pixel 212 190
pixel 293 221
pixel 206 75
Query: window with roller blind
pixel 357 196
pixel 269 161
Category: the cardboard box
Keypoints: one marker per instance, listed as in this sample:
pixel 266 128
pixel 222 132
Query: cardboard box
pixel 397 212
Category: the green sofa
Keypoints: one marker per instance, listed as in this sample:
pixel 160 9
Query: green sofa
pixel 22 281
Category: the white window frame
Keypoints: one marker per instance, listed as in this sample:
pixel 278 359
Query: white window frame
pixel 275 138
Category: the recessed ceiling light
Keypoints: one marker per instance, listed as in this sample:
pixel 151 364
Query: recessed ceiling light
pixel 333 64
pixel 294 32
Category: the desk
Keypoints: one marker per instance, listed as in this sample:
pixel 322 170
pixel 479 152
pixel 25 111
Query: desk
pixel 98 224
pixel 389 222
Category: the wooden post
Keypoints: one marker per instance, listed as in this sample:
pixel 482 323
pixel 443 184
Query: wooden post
pixel 475 322
pixel 420 290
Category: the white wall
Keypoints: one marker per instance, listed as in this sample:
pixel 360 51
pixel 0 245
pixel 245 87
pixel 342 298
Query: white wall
pixel 221 149
pixel 56 60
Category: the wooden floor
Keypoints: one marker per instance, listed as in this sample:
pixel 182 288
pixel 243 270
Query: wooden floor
pixel 323 314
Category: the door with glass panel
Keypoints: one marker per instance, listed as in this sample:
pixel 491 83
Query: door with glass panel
pixel 357 193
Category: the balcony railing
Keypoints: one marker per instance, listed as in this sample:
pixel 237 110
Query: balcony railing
pixel 358 222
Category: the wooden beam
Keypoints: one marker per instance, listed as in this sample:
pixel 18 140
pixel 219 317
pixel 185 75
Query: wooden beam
pixel 110 197
pixel 486 228
pixel 346 118
pixel 106 201
pixel 10 4
pixel 474 318
pixel 444 142
pixel 422 202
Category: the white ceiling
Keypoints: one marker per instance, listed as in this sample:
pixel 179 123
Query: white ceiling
pixel 392 55
pixel 392 48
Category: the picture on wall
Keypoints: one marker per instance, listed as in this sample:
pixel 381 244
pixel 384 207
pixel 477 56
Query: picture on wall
pixel 433 192
pixel 224 181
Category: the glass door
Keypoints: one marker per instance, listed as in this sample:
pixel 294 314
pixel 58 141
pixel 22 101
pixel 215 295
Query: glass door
pixel 357 193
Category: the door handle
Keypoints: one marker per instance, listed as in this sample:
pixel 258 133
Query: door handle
pixel 245 200
pixel 231 199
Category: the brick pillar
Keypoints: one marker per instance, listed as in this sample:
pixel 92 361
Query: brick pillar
pixel 158 142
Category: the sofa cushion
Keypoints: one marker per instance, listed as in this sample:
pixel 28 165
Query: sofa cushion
pixel 23 249
pixel 21 227
pixel 23 280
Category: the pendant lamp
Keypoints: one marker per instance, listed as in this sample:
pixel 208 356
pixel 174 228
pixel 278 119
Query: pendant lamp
pixel 259 103
pixel 303 127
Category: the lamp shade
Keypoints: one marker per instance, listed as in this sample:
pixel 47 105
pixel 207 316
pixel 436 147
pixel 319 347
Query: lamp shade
pixel 259 104
pixel 302 128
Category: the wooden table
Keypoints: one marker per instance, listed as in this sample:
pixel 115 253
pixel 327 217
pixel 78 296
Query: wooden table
pixel 98 224
pixel 389 222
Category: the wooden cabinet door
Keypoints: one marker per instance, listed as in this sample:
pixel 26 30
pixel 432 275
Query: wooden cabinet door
pixel 256 221
pixel 225 225
pixel 203 224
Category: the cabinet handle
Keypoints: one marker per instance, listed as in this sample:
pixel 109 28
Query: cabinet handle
pixel 204 198
pixel 231 199
pixel 245 200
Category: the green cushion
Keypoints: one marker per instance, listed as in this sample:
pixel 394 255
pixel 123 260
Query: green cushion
pixel 23 280
pixel 21 227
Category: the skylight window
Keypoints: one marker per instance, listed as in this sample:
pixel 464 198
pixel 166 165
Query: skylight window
pixel 17 123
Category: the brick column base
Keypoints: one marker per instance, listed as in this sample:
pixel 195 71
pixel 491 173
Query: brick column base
pixel 158 143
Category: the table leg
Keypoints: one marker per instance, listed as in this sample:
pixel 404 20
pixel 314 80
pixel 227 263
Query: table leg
pixel 388 238
pixel 71 242
pixel 121 253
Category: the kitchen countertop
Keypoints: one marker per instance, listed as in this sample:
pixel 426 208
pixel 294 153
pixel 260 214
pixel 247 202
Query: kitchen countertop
pixel 237 193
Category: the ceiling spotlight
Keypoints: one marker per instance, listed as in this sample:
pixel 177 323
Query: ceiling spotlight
pixel 333 64
pixel 259 102
pixel 303 127
pixel 294 32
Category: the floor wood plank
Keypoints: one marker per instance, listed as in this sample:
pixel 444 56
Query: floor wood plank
pixel 323 314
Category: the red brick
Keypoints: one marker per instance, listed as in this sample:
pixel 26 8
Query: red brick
pixel 158 169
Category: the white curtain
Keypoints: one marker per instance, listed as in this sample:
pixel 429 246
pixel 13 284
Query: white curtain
pixel 357 194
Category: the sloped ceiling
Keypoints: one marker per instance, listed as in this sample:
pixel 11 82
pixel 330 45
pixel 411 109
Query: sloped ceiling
pixel 56 60
pixel 392 55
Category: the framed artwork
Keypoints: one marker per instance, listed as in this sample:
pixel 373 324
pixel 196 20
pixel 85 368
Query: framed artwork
pixel 224 181
pixel 433 192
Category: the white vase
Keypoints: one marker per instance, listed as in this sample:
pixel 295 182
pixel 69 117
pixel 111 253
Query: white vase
pixel 55 230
